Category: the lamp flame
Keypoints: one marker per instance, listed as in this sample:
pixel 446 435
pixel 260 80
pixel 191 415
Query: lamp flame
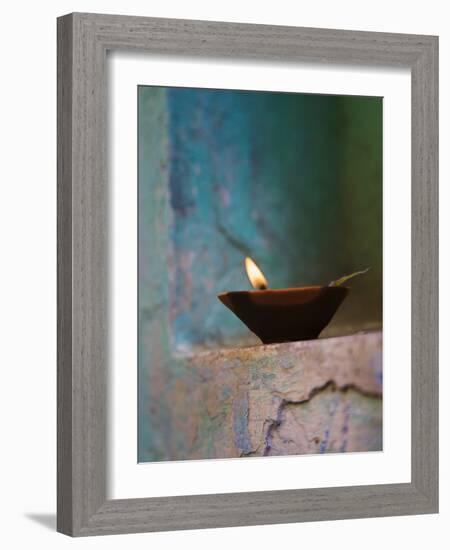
pixel 255 275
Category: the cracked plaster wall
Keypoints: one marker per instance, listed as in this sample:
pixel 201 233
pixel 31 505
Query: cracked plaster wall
pixel 319 396
pixel 295 182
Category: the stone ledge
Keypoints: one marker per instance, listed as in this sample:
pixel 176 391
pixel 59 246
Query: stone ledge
pixel 294 398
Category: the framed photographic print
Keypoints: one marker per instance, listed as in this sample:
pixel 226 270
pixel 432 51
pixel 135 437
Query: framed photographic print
pixel 247 274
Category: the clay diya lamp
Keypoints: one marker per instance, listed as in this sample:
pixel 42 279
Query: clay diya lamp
pixel 288 314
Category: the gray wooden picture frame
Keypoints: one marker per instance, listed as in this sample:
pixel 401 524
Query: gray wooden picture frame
pixel 83 41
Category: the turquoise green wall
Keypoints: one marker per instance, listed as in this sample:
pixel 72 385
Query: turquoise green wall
pixel 293 180
pixel 360 181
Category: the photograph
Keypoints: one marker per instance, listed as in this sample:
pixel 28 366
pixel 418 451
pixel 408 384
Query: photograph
pixel 221 275
pixel 260 273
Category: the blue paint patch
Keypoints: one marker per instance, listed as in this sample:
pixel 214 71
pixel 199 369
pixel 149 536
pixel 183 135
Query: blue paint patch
pixel 379 376
pixel 324 442
pixel 240 424
pixel 345 428
pixel 377 366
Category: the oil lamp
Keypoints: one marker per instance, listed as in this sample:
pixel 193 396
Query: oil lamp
pixel 287 314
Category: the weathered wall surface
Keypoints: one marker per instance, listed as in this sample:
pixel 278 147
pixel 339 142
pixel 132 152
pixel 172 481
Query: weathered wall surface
pixel 319 396
pixel 294 181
